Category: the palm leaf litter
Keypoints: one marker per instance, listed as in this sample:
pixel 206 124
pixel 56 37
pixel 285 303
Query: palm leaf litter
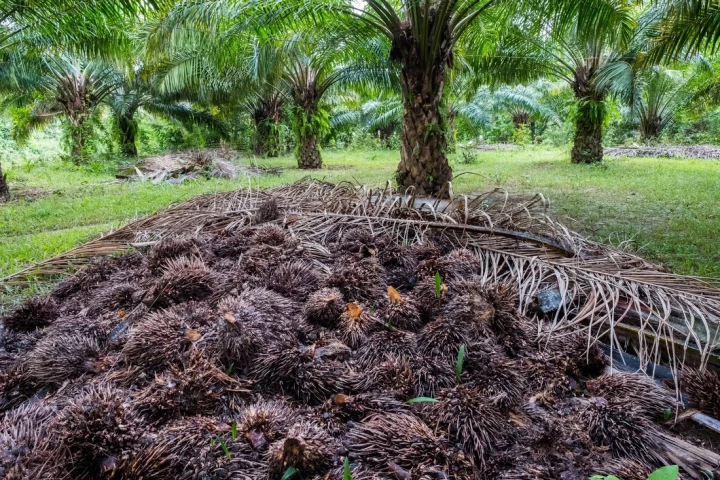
pixel 324 331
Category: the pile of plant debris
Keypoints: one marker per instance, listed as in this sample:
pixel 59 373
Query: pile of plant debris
pixel 182 166
pixel 708 152
pixel 278 343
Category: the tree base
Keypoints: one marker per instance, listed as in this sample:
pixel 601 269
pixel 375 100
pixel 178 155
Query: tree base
pixel 308 154
pixel 4 187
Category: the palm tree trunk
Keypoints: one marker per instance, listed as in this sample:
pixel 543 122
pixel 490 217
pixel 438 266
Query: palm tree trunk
pixel 587 147
pixel 128 130
pixel 423 156
pixel 451 132
pixel 307 133
pixel 308 155
pixel 650 128
pixel 267 139
pixel 4 187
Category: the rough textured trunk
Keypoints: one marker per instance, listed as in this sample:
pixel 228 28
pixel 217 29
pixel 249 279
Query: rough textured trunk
pixel 451 141
pixel 520 118
pixel 4 187
pixel 308 155
pixel 308 126
pixel 650 128
pixel 587 146
pixel 423 156
pixel 128 130
pixel 78 140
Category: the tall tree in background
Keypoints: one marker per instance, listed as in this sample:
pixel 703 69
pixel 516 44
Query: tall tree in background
pixel 577 56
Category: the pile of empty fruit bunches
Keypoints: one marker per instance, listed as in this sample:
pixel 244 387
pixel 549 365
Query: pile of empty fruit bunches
pixel 240 356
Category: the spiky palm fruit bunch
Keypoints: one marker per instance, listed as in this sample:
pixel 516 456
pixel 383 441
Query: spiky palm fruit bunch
pixel 113 299
pixel 95 433
pixel 324 307
pixel 432 373
pixel 294 279
pixel 163 338
pixel 23 439
pixel 358 280
pixel 35 312
pixel 401 312
pixel 195 388
pixel 355 324
pixel 361 242
pixel 183 279
pixel 550 374
pixel 443 336
pixel 266 212
pixel 394 374
pixel 384 344
pixel 252 320
pixel 64 357
pixel 625 469
pixel 623 428
pixel 15 385
pixel 264 422
pixel 494 375
pixel 172 248
pixel 385 442
pixel 703 388
pixel 400 265
pixel 357 407
pixel 474 312
pixel 579 347
pixel 306 447
pixel 232 244
pixel 428 298
pixel 310 373
pixel 86 279
pixel 180 450
pixel 459 263
pixel 269 234
pixel 468 417
pixel 621 389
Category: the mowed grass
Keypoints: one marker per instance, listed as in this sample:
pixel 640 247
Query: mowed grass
pixel 667 210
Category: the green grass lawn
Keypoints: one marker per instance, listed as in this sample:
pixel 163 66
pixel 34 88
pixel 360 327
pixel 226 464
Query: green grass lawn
pixel 667 210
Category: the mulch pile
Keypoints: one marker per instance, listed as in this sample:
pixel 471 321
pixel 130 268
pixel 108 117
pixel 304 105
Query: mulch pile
pixel 708 152
pixel 242 354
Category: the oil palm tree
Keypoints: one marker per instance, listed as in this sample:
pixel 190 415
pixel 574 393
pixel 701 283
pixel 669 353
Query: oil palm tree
pixel 579 58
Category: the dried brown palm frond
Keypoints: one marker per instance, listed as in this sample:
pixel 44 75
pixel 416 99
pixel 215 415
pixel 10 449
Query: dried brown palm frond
pixel 324 307
pixel 468 417
pixel 306 447
pixel 294 279
pixel 310 373
pixel 383 440
pixel 385 343
pixel 173 247
pixel 623 428
pixel 63 357
pixel 620 389
pixel 35 312
pixel 195 388
pixel 264 422
pixel 625 469
pixel 355 324
pixel 95 433
pixel 358 280
pixel 703 388
pixel 401 312
pixel 163 338
pixel 184 279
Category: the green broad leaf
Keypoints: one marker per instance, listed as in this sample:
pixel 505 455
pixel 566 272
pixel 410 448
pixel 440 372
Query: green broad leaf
pixel 459 364
pixel 346 470
pixel 230 369
pixel 669 472
pixel 289 473
pixel 438 285
pixel 667 414
pixel 422 400
pixel 233 429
